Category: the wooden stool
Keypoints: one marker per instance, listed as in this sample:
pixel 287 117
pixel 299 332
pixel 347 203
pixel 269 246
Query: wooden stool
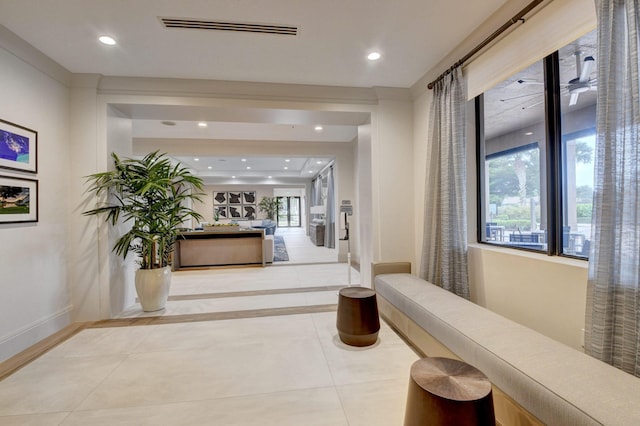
pixel 358 322
pixel 445 391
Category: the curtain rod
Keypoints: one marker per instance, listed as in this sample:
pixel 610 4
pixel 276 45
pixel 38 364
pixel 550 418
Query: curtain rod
pixel 322 170
pixel 519 17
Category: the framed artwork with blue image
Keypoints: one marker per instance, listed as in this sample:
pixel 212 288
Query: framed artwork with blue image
pixel 18 147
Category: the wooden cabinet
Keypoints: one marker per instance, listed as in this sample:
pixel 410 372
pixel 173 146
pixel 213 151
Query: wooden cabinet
pixel 202 249
pixel 316 233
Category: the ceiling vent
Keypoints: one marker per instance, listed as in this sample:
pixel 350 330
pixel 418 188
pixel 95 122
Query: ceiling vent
pixel 244 27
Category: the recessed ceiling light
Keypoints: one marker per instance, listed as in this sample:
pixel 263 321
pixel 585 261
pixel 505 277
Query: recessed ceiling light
pixel 202 124
pixel 243 160
pixel 319 162
pixel 210 167
pixel 270 177
pixel 286 168
pixel 318 128
pixel 374 56
pixel 109 41
pixel 233 177
pixel 248 167
pixel 310 171
pixel 287 160
pixel 168 123
pixel 529 133
pixel 196 159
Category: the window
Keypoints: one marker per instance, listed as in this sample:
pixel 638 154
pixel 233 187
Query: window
pixel 536 139
pixel 288 212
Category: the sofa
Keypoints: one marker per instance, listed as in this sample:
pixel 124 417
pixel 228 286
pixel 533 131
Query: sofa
pixel 268 225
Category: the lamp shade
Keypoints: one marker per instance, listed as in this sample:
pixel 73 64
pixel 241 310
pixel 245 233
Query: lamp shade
pixel 317 210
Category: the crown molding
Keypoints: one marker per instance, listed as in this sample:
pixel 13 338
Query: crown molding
pixel 236 90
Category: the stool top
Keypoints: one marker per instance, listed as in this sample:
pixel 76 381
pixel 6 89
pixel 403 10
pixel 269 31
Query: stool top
pixel 450 379
pixel 357 292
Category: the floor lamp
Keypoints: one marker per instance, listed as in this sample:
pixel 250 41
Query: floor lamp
pixel 347 209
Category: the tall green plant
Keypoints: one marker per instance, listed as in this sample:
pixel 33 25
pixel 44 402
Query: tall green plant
pixel 269 205
pixel 151 193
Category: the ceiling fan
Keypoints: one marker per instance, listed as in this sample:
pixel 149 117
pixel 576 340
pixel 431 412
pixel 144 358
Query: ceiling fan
pixel 583 81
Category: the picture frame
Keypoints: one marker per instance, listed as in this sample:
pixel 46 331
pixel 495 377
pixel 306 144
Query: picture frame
pixel 18 200
pixel 235 212
pixel 222 211
pixel 18 147
pixel 220 198
pixel 249 197
pixel 249 211
pixel 234 197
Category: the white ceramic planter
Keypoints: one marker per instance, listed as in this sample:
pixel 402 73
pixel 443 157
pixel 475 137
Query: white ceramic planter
pixel 152 286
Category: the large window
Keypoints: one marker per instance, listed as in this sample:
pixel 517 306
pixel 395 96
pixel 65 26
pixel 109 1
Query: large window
pixel 536 137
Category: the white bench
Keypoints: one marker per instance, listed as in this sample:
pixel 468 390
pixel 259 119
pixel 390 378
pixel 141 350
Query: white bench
pixel 537 380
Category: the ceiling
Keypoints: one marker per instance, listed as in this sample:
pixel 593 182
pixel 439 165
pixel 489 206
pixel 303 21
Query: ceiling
pixel 333 38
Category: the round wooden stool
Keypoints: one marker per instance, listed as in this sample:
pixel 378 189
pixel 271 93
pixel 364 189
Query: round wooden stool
pixel 358 322
pixel 445 391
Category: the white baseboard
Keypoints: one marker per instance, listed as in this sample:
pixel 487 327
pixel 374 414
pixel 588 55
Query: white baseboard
pixel 31 334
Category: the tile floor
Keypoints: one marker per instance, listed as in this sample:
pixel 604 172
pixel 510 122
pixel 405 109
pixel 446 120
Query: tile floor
pixel 302 250
pixel 270 370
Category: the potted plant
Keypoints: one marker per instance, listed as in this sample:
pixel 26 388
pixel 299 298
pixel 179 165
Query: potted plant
pixel 151 194
pixel 269 205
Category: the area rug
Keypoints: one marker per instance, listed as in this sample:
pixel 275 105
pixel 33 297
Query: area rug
pixel 279 249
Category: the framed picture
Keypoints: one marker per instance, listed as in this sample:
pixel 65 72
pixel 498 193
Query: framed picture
pixel 249 197
pixel 18 147
pixel 235 212
pixel 222 211
pixel 248 212
pixel 235 197
pixel 219 198
pixel 18 200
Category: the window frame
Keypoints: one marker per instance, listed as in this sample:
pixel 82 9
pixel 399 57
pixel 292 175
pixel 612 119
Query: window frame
pixel 554 167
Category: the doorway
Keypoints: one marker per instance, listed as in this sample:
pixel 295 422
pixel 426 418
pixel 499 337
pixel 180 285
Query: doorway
pixel 289 212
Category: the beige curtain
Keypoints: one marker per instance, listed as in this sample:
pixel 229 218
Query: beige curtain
pixel 613 297
pixel 444 251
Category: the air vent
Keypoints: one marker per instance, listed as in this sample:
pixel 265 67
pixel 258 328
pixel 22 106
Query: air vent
pixel 245 27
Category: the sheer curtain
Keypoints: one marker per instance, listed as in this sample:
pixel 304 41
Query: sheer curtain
pixel 316 192
pixel 611 332
pixel 313 193
pixel 444 250
pixel 330 215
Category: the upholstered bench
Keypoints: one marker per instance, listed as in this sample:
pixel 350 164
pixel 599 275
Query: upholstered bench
pixel 537 380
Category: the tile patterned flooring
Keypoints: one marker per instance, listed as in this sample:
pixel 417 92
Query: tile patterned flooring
pixel 269 369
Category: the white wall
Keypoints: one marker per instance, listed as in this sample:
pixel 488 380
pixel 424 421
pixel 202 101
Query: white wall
pixel 122 292
pixel 345 189
pixel 88 257
pixel 547 294
pixel 363 206
pixel 34 292
pixel 393 180
pixel 421 110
